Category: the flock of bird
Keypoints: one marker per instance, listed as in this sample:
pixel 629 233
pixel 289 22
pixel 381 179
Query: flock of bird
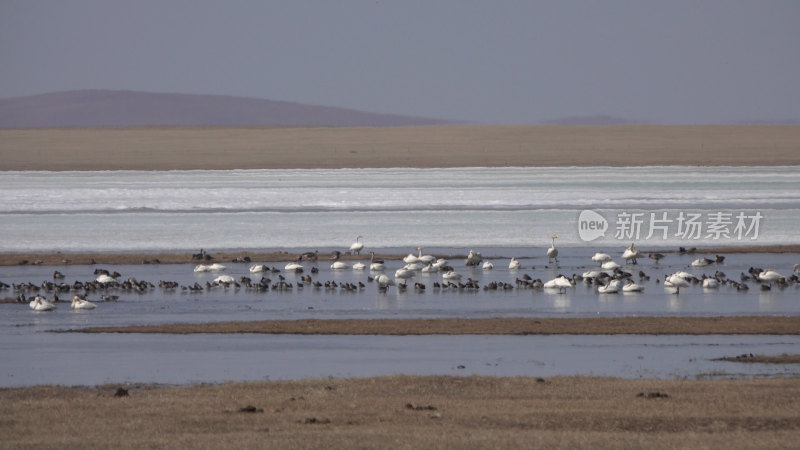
pixel 609 277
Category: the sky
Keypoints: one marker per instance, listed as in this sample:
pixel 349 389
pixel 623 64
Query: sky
pixel 494 62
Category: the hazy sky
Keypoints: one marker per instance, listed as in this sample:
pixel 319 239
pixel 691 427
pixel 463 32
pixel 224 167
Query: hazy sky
pixel 500 61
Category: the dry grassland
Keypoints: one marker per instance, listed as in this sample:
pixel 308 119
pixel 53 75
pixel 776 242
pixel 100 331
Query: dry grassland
pixel 411 412
pixel 165 148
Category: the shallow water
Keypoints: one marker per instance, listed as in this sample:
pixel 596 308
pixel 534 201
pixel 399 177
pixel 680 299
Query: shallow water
pixel 42 357
pixel 81 359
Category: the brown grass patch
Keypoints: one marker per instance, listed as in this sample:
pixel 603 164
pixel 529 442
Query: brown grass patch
pixel 411 412
pixel 786 325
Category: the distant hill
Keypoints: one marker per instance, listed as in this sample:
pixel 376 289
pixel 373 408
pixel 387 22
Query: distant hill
pixel 105 108
pixel 591 120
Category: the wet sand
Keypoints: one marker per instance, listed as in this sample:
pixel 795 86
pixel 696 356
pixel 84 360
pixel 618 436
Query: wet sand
pixel 411 412
pixel 172 148
pixel 769 325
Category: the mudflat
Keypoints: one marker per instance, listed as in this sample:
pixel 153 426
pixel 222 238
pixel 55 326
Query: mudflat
pixel 172 148
pixel 785 325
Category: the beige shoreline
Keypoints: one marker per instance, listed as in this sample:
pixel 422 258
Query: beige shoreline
pixel 173 148
pixel 745 325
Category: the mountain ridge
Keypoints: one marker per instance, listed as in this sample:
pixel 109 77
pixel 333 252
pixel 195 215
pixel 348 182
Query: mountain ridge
pixel 125 108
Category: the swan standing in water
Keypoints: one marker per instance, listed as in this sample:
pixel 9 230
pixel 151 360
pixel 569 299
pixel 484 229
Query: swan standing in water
pixel 601 257
pixel 403 274
pixel 79 303
pixel 514 264
pixel 552 252
pixel 384 281
pixel 357 246
pixel 561 282
pixel 675 280
pixel 630 254
pixel 487 265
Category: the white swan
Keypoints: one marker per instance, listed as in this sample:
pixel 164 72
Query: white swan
pixel 403 274
pixel 359 266
pixel 514 264
pixel 439 263
pixel 632 287
pixel 702 262
pixel 601 257
pixel 411 259
pixel 293 266
pixel 610 288
pixel 630 254
pixel 552 252
pixel 375 266
pixel 425 259
pixel 710 283
pixel 40 304
pixel 340 265
pixel 224 279
pixel 103 278
pixel 473 258
pixel 591 273
pixel 255 268
pixel 383 280
pixel 770 276
pixel 675 280
pixel 609 265
pixel 561 282
pixel 487 265
pixel 209 268
pixel 414 266
pixel 357 246
pixel 430 268
pixel 451 275
pixel 79 303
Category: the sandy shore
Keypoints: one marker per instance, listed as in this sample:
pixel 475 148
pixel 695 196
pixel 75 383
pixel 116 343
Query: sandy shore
pixel 435 146
pixel 495 326
pixel 410 412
